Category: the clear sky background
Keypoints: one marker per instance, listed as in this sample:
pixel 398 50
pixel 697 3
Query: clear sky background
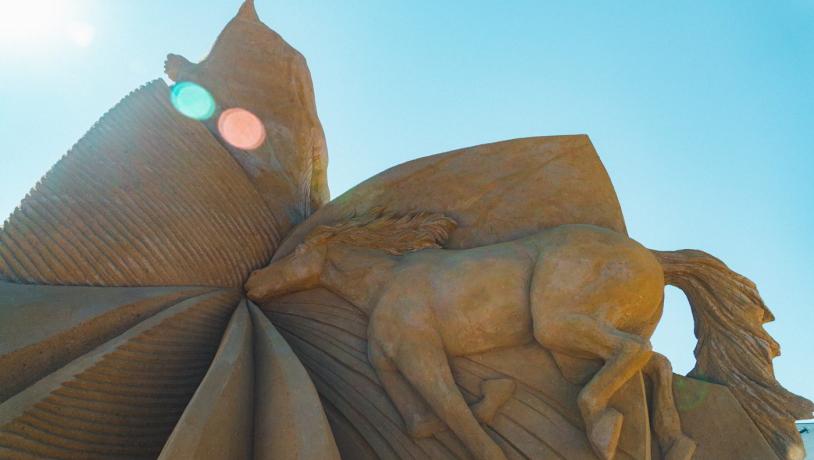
pixel 703 112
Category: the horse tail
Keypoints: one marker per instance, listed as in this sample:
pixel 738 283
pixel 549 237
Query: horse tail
pixel 733 347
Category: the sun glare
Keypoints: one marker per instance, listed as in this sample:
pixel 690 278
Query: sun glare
pixel 81 33
pixel 26 24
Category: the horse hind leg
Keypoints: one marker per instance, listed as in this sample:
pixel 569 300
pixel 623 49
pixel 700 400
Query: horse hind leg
pixel 675 445
pixel 624 355
pixel 423 361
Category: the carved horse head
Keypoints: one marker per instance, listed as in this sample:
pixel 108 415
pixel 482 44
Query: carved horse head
pixel 298 271
pixel 392 234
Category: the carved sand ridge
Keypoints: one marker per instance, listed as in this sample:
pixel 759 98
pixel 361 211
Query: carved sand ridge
pixel 289 420
pixel 71 321
pixel 256 401
pixel 122 399
pixel 146 197
pixel 224 395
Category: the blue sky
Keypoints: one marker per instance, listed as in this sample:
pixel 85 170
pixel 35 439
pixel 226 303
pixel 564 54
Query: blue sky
pixel 702 112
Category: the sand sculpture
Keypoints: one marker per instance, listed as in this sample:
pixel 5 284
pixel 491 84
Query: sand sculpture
pixel 164 293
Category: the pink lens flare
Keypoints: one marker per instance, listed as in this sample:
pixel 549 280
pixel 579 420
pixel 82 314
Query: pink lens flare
pixel 241 128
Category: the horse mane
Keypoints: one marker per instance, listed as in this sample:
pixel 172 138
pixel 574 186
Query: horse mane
pixel 392 233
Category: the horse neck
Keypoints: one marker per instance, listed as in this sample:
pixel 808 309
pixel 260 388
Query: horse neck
pixel 357 274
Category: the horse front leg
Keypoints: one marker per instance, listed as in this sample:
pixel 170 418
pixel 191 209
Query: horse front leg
pixel 624 355
pixel 675 445
pixel 426 367
pixel 406 336
pixel 419 419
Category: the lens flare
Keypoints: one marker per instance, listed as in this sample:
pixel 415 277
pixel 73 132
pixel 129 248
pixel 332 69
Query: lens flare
pixel 81 33
pixel 241 128
pixel 192 100
pixel 690 394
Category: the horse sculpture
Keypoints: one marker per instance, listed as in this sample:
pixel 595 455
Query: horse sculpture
pixel 578 290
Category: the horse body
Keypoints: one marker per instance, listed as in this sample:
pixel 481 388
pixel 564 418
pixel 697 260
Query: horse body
pixel 578 290
pixel 476 299
pixel 489 297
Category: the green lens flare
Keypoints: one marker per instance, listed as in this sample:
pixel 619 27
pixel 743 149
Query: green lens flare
pixel 192 100
pixel 690 393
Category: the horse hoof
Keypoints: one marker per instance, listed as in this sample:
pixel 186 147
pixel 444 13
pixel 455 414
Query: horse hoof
pixel 425 427
pixel 495 394
pixel 681 449
pixel 604 434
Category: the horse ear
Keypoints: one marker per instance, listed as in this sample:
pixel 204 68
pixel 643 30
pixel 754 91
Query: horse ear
pixel 449 224
pixel 444 226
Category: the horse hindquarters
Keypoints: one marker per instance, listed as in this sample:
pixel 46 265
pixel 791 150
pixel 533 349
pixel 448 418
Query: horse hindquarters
pixel 591 291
